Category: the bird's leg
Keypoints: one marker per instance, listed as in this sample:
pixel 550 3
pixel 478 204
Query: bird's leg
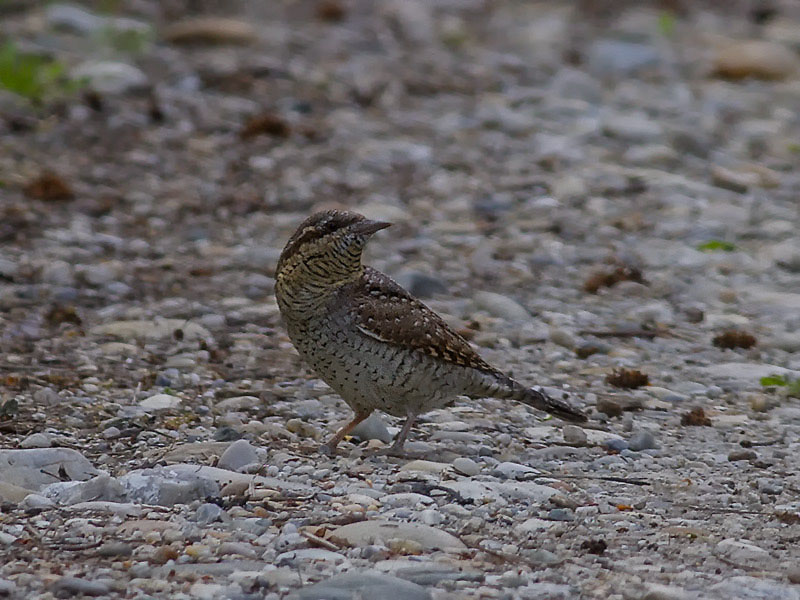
pixel 396 449
pixel 329 447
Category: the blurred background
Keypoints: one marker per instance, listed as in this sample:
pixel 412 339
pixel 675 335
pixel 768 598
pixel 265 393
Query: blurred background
pixel 155 156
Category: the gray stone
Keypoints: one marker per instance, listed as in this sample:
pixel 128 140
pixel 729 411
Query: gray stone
pixel 208 513
pixel 165 486
pixel 370 532
pixel 547 591
pixel 160 402
pixel 74 586
pixel 111 549
pixel 574 435
pixel 656 591
pixel 466 466
pixel 742 553
pixel 7 588
pixel 224 477
pixel 102 487
pixel 98 275
pixel 79 20
pixel 632 128
pixel 293 557
pixel 510 470
pixel 58 272
pixel 501 306
pixel 237 455
pixel 35 468
pixel 46 397
pixel 37 440
pixel 643 440
pixel 575 84
pixel 368 585
pixel 372 428
pixel 13 493
pixel 36 502
pixel 157 329
pixel 614 58
pixel 560 514
pixel 747 372
pixel 752 588
pixel 562 337
pixel 111 77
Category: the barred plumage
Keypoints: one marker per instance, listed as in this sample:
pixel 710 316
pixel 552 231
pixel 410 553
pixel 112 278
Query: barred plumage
pixel 370 340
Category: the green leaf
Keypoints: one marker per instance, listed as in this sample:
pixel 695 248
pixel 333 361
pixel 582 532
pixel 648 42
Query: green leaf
pixel 714 245
pixel 770 380
pixel 666 24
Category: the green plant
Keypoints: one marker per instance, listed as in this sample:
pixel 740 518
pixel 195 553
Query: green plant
pixel 666 24
pixel 33 77
pixel 792 385
pixel 714 245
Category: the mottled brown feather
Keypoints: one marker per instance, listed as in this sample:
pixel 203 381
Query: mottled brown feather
pixel 385 311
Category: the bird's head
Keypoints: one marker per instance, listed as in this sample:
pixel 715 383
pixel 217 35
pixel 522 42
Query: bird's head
pixel 326 248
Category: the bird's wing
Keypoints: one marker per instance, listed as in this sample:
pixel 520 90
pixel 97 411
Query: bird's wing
pixel 387 312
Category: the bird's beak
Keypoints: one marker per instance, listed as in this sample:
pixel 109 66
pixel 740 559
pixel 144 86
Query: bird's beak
pixel 368 227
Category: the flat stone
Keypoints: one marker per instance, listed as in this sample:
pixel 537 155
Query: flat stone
pixel 372 428
pixel 79 20
pixel 501 306
pixel 102 487
pixel 144 526
pixel 199 451
pixel 111 77
pixel 74 586
pixel 37 440
pixel 511 470
pixel 35 468
pixel 7 588
pixel 643 440
pixel 368 532
pixel 237 455
pixel 166 486
pixel 466 466
pixel 753 588
pixel 656 591
pixel 547 591
pixel 160 402
pixel 368 585
pixel 308 555
pixel 613 58
pixel 157 329
pixel 207 591
pixel 742 553
pixel 574 435
pixel 533 525
pixel 111 549
pixel 13 493
pixel 237 403
pixel 425 466
pixel 748 372
pixel 223 477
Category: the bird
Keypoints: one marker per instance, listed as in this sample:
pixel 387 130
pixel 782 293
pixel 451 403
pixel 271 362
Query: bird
pixel 371 341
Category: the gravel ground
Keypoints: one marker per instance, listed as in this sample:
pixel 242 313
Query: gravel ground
pixel 604 203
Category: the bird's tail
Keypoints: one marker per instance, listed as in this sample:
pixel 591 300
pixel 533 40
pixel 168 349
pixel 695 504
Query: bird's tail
pixel 509 388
